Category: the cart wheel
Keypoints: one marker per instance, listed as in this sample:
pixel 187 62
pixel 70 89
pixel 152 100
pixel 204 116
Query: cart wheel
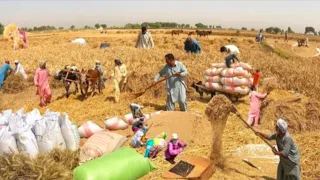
pixel 233 98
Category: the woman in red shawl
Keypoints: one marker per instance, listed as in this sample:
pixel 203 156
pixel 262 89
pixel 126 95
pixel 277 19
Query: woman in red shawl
pixel 41 80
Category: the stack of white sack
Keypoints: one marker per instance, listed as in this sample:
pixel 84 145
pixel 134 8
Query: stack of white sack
pixel 234 80
pixel 33 133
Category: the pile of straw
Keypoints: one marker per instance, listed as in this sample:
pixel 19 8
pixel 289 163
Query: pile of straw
pixel 301 113
pixel 55 165
pixel 11 31
pixel 14 84
pixel 217 112
pixel 269 84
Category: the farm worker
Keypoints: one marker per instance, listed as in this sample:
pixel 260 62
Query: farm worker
pixel 119 77
pixel 231 54
pixel 41 80
pixel 286 36
pixel 100 69
pixel 175 147
pixel 175 71
pixel 19 69
pixel 23 36
pixel 230 49
pixel 254 113
pixel 136 110
pixel 289 165
pixel 4 72
pixel 192 46
pixel 256 79
pixel 137 125
pixel 155 145
pixel 260 36
pixel 136 141
pixel 144 40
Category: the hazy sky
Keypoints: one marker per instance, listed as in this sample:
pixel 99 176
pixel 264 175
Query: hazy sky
pixel 236 13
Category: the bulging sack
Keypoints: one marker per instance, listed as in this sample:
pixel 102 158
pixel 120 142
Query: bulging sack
pixel 44 136
pixel 8 143
pixel 213 79
pixel 115 123
pixel 213 71
pixel 52 121
pixel 218 65
pixel 213 86
pixel 99 144
pixel 88 129
pixel 26 141
pixel 234 81
pixel 241 90
pixel 33 116
pixel 70 132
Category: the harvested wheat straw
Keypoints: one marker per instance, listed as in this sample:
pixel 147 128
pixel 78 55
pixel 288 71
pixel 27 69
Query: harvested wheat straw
pixel 217 112
pixel 14 84
pixel 269 84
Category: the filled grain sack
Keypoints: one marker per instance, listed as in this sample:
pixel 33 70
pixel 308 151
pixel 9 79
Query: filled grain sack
pixel 70 132
pixel 245 66
pixel 234 81
pixel 128 118
pixel 99 144
pixel 124 163
pixel 218 65
pixel 53 122
pixel 32 116
pixel 213 79
pixel 26 141
pixel 88 129
pixel 5 116
pixel 213 86
pixel 8 143
pixel 115 123
pixel 80 41
pixel 241 90
pixel 45 136
pixel 213 71
pixel 228 89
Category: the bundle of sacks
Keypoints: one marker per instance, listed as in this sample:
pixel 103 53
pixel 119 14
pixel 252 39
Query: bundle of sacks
pixel 33 133
pixel 234 80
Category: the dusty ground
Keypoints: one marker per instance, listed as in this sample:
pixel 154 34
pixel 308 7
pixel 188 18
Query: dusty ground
pixel 55 49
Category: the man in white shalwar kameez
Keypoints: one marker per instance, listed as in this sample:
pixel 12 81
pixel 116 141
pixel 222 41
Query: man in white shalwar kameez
pixel 175 86
pixel 144 40
pixel 19 69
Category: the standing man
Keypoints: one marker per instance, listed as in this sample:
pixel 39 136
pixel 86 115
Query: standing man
pixel 100 69
pixel 289 165
pixel 120 77
pixel 144 40
pixel 286 36
pixel 19 69
pixel 3 72
pixel 175 85
pixel 192 46
pixel 260 36
pixel 41 80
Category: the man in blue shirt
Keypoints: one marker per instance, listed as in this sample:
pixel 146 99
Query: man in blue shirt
pixel 3 72
pixel 192 46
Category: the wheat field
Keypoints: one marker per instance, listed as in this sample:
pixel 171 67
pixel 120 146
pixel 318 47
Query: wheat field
pixel 294 73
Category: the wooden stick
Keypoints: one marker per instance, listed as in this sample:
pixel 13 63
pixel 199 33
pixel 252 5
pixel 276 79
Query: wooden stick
pixel 239 115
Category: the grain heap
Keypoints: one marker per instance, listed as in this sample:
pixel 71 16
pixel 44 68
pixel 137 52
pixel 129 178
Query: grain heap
pixel 217 112
pixel 234 80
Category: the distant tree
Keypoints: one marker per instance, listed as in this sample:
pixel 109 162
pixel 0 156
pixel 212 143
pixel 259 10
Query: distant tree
pixel 315 33
pixel 319 33
pixel 244 28
pixel 183 25
pixel 132 26
pixel 187 25
pixel 213 27
pixel 29 29
pixel 35 29
pixel 61 28
pixel 310 29
pixel 72 27
pixel 103 26
pixel 1 28
pixel 252 29
pixel 200 26
pixel 273 30
pixel 290 30
pixel 219 27
pixel 97 25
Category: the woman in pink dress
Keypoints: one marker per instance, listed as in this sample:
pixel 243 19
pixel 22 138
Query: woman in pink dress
pixel 174 148
pixel 254 113
pixel 41 80
pixel 23 36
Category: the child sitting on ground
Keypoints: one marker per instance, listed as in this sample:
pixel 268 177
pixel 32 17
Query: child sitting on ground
pixel 175 147
pixel 155 145
pixel 136 141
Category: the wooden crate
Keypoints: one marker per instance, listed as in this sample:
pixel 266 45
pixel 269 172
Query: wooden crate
pixel 204 169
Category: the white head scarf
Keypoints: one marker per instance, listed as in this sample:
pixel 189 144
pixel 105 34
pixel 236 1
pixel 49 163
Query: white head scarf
pixel 282 125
